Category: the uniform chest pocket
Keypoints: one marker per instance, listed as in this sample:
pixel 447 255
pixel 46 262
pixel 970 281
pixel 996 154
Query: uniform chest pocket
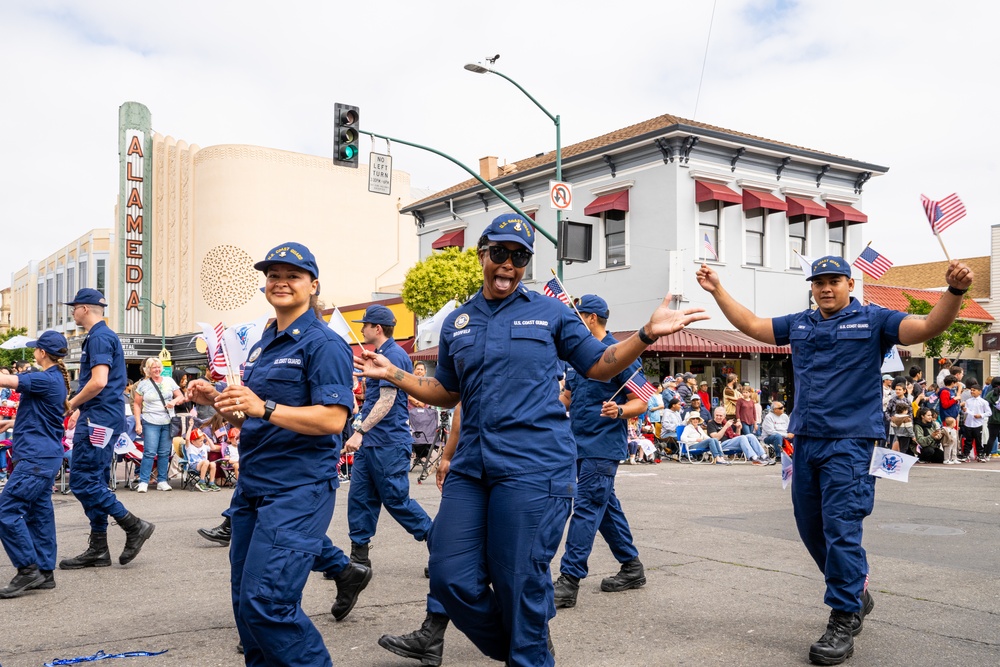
pixel 463 351
pixel 530 353
pixel 854 334
pixel 285 374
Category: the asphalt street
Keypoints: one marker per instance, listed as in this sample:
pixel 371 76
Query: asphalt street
pixel 729 583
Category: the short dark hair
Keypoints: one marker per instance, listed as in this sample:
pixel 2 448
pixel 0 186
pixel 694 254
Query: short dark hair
pixel 673 402
pixel 915 371
pixel 419 363
pixel 950 379
pixel 955 370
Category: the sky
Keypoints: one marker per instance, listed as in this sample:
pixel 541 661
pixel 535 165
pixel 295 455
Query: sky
pixel 909 85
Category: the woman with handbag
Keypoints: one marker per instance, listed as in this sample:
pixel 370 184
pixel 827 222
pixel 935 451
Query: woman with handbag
pixel 153 404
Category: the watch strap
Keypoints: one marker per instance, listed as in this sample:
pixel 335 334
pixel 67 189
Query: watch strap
pixel 956 291
pixel 269 407
pixel 645 337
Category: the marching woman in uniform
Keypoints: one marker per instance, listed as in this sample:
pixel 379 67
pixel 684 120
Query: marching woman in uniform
pixel 513 476
pixel 292 407
pixel 27 523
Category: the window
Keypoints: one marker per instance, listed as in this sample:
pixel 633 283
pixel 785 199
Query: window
pixel 797 240
pixel 70 289
pixel 50 302
pixel 615 248
pixel 838 238
pixel 100 275
pixel 709 218
pixel 84 276
pixel 753 242
pixel 41 306
pixel 529 270
pixel 60 297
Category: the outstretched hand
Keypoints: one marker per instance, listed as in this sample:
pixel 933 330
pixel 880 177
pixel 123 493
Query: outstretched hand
pixel 959 275
pixel 666 321
pixel 372 365
pixel 708 278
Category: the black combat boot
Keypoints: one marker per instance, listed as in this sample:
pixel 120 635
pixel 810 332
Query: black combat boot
pixel 137 532
pixel 867 604
pixel 359 554
pixel 425 644
pixel 631 575
pixel 50 581
pixel 350 583
pixel 837 643
pixel 26 578
pixel 221 534
pixel 96 555
pixel 567 586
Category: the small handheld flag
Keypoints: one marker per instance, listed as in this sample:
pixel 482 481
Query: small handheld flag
pixel 100 436
pixel 786 470
pixel 873 263
pixel 891 465
pixel 642 389
pixel 555 290
pixel 943 214
pixel 710 249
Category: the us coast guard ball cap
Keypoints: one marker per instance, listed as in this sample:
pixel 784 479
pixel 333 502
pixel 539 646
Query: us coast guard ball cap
pixel 511 227
pixel 87 297
pixel 830 265
pixel 52 342
pixel 294 254
pixel 591 303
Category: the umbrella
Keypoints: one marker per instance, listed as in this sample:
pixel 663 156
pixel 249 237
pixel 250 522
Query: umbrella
pixel 14 343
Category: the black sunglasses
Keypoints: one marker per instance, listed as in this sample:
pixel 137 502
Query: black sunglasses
pixel 519 258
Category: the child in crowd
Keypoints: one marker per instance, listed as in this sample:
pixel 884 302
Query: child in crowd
pixel 901 425
pixel 197 456
pixel 746 411
pixel 949 441
pixel 231 451
pixel 976 411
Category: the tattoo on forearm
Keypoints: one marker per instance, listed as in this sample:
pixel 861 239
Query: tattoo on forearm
pixel 421 381
pixel 916 317
pixel 386 398
pixel 398 375
pixel 610 356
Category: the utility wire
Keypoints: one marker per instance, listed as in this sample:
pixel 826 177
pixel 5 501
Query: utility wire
pixel 708 41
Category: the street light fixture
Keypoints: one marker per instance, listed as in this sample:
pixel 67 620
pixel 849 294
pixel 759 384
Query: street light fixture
pixel 164 354
pixel 481 69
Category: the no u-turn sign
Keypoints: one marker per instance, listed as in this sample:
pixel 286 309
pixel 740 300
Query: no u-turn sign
pixel 560 196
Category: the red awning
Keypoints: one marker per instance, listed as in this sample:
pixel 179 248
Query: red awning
pixel 797 206
pixel 708 191
pixel 709 341
pixel 759 199
pixel 616 201
pixel 450 239
pixel 845 213
pixel 430 354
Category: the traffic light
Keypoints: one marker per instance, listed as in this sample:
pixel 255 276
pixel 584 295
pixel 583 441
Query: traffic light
pixel 346 134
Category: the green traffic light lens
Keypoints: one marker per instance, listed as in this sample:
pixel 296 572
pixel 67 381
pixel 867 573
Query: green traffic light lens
pixel 349 152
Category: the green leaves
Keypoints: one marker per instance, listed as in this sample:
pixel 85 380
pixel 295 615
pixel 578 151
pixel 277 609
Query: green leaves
pixel 955 338
pixel 445 275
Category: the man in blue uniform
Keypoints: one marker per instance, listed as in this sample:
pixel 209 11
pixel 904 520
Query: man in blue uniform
pixel 511 482
pixel 600 429
pixel 102 419
pixel 380 475
pixel 836 424
pixel 292 407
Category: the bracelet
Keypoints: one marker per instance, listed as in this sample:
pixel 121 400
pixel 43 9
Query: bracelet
pixel 956 291
pixel 645 338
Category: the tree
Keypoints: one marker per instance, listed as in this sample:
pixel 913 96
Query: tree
pixel 955 338
pixel 449 274
pixel 8 357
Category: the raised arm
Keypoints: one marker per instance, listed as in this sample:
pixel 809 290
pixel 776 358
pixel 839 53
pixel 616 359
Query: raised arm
pixel 919 328
pixel 738 315
pixel 425 389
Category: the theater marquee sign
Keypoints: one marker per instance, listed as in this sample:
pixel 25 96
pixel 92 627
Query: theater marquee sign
pixel 135 146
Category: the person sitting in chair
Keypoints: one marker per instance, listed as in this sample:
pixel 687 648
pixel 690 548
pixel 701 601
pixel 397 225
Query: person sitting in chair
pixel 727 432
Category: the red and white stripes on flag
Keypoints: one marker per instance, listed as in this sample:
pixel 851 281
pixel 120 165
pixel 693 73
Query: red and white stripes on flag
pixel 100 436
pixel 213 341
pixel 872 263
pixel 645 390
pixel 710 249
pixel 555 290
pixel 943 214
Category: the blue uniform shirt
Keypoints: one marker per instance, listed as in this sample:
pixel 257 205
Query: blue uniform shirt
pixel 306 364
pixel 504 363
pixel 101 347
pixel 394 428
pixel 599 437
pixel 837 362
pixel 38 430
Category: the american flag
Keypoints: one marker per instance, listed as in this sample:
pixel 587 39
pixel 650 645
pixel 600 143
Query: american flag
pixel 217 363
pixel 555 290
pixel 872 263
pixel 710 249
pixel 100 436
pixel 645 391
pixel 943 214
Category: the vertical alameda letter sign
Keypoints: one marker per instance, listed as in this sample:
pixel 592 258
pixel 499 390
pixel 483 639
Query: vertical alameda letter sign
pixel 135 194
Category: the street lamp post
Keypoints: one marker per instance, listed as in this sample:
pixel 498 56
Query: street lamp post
pixel 164 354
pixel 480 69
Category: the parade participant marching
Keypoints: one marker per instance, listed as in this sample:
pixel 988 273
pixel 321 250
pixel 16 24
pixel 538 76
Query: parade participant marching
pixel 102 419
pixel 292 407
pixel 600 429
pixel 512 479
pixel 27 522
pixel 380 475
pixel 837 424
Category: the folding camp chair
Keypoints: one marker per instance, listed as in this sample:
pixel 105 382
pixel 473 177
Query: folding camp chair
pixel 700 453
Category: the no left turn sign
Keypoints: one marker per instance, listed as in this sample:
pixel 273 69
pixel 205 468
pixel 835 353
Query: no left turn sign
pixel 560 196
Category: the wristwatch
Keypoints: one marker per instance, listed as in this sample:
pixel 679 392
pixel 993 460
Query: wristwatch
pixel 620 412
pixel 956 291
pixel 360 431
pixel 269 407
